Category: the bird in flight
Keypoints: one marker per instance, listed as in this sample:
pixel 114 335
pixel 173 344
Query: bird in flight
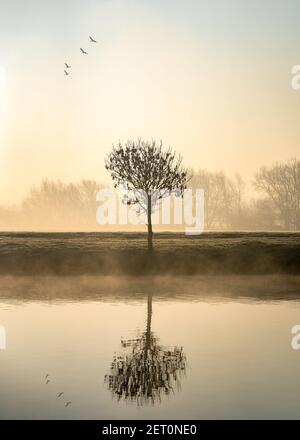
pixel 66 73
pixel 92 40
pixel 68 403
pixel 83 51
pixel 67 66
pixel 60 394
pixel 47 375
pixel 48 381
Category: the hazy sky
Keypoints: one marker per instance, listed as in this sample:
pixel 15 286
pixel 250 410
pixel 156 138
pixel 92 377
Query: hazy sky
pixel 210 78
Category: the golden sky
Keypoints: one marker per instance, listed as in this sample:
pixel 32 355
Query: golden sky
pixel 212 81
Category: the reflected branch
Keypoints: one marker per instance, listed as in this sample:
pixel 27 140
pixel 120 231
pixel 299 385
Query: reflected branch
pixel 146 370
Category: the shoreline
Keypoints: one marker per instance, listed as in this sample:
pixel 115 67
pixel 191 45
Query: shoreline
pixel 126 254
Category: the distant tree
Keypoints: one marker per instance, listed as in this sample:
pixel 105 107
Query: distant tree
pixel 261 216
pixel 61 205
pixel 217 196
pixel 225 206
pixel 148 173
pixel 9 216
pixel 236 211
pixel 281 184
pixel 87 191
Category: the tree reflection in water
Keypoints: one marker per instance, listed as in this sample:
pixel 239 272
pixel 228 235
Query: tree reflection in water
pixel 146 370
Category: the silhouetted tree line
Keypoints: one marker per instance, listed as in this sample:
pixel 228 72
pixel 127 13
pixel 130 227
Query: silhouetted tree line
pixel 276 207
pixel 228 206
pixel 54 204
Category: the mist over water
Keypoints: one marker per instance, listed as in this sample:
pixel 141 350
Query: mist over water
pixel 74 329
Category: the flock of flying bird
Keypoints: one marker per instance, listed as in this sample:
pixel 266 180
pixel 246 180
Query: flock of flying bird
pixel 67 66
pixel 47 379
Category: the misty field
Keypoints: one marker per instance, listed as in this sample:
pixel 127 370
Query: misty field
pixel 126 253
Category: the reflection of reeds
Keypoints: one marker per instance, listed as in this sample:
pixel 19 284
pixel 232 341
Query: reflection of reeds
pixel 147 370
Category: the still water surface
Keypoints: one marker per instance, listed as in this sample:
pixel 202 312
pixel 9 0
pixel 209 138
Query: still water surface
pixel 187 348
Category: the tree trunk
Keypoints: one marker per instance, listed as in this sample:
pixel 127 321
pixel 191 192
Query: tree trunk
pixel 150 233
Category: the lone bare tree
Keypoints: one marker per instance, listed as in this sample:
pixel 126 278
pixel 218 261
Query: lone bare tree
pixel 148 173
